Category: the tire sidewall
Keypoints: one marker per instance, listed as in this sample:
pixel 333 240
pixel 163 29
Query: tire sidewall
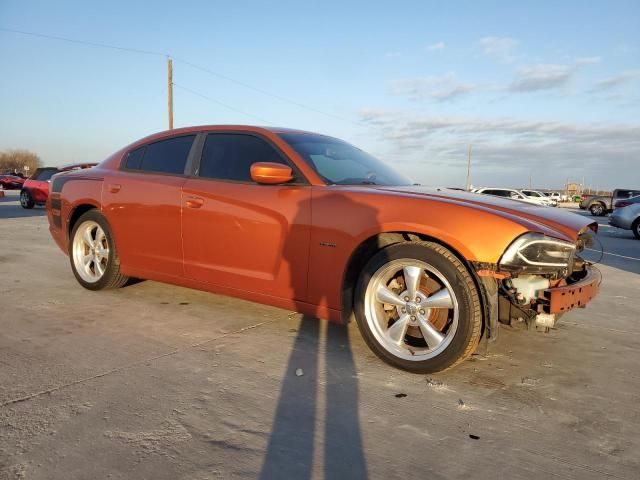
pixel 95 216
pixel 596 210
pixel 29 203
pixel 460 286
pixel 635 228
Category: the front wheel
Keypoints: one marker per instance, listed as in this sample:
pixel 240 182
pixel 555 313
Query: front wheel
pixel 417 307
pixel 92 251
pixel 26 200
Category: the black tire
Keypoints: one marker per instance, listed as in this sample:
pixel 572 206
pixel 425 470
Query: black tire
pixel 467 335
pixel 26 200
pixel 635 228
pixel 112 278
pixel 598 209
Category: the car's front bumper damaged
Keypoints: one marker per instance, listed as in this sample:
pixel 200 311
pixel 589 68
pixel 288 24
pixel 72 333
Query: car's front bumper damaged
pixel 577 294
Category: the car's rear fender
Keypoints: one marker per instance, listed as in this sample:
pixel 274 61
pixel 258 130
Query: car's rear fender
pixel 71 195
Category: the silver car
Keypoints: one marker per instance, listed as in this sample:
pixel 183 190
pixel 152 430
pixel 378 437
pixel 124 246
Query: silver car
pixel 627 215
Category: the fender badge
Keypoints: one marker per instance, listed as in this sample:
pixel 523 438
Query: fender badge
pixel 328 244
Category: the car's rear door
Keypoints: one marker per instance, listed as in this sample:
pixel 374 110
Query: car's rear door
pixel 142 202
pixel 239 234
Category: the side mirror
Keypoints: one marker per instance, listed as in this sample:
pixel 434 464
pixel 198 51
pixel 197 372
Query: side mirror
pixel 269 173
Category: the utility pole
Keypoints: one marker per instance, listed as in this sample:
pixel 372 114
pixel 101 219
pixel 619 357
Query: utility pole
pixel 170 90
pixel 469 170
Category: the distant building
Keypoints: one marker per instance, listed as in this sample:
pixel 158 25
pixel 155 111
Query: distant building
pixel 574 188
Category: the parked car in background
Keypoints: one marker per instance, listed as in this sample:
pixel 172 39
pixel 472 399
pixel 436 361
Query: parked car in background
pixel 601 205
pixel 14 174
pixel 558 197
pixel 313 224
pixel 35 189
pixel 541 197
pixel 626 215
pixel 11 182
pixel 513 194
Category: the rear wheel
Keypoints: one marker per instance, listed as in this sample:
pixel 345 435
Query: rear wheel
pixel 635 228
pixel 26 200
pixel 597 209
pixel 93 254
pixel 417 307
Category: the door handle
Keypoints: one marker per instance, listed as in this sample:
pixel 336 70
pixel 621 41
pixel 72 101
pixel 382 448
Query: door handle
pixel 114 188
pixel 195 202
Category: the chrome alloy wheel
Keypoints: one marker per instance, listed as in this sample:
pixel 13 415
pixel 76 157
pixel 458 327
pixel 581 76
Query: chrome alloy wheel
pixel 90 251
pixel 24 198
pixel 411 309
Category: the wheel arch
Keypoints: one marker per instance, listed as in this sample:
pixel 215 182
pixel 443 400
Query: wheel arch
pixel 374 243
pixel 76 212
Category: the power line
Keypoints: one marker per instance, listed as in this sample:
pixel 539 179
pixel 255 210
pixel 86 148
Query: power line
pixel 185 62
pixel 83 42
pixel 193 92
pixel 259 90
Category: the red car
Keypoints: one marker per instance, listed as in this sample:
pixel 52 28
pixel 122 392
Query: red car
pixel 35 190
pixel 11 182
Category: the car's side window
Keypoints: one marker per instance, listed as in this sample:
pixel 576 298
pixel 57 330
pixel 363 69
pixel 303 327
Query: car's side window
pixel 164 156
pixel 134 159
pixel 497 193
pixel 167 156
pixel 229 156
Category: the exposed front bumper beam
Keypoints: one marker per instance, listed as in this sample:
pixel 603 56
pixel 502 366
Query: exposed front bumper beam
pixel 578 294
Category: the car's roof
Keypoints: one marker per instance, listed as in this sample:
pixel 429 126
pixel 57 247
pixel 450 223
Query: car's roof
pixel 200 128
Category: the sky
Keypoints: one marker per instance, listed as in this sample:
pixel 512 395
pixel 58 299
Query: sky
pixel 545 90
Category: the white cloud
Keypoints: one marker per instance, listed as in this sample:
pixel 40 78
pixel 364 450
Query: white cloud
pixel 616 80
pixel 439 88
pixel 550 148
pixel 436 46
pixel 587 60
pixel 541 77
pixel 499 48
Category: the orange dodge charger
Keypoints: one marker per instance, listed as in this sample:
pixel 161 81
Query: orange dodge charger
pixel 310 223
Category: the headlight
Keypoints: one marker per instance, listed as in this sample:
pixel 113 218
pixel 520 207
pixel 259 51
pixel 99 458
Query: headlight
pixel 537 252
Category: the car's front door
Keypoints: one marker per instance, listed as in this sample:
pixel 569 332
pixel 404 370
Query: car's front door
pixel 142 202
pixel 239 234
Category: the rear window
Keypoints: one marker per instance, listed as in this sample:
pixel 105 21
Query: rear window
pixel 44 174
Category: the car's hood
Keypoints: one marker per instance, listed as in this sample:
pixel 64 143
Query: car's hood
pixel 569 223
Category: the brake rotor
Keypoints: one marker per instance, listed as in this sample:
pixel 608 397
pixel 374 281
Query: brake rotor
pixel 438 317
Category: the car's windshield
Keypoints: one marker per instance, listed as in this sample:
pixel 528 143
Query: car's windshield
pixel 340 163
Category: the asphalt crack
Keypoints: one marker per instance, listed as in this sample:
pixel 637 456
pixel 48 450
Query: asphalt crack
pixel 129 365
